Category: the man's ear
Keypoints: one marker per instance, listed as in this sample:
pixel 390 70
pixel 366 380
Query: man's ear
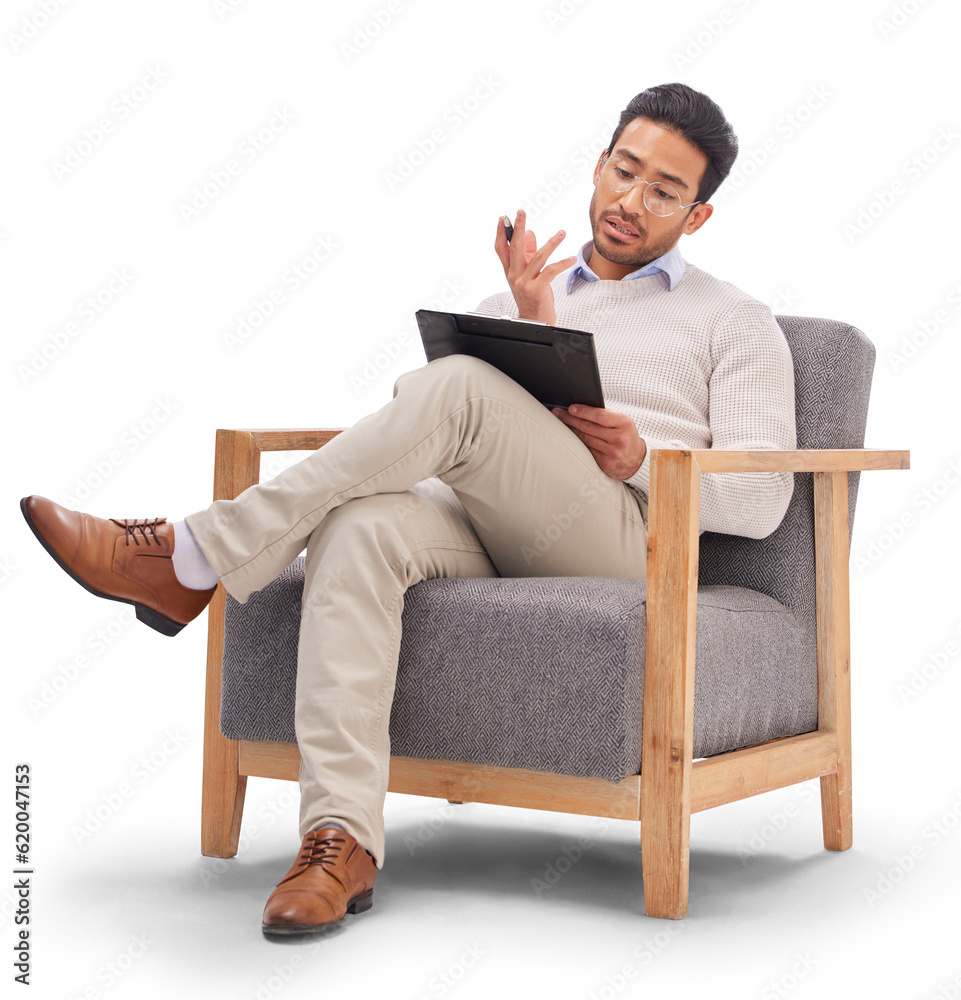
pixel 597 168
pixel 699 215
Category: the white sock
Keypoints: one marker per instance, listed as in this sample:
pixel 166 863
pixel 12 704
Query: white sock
pixel 325 823
pixel 190 564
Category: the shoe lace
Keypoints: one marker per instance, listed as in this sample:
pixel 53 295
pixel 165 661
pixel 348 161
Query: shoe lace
pixel 321 850
pixel 147 529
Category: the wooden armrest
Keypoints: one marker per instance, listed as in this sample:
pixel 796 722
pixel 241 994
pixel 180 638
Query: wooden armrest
pixel 798 460
pixel 287 438
pixel 237 454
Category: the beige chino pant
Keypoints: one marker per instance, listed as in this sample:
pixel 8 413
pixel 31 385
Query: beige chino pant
pixel 462 474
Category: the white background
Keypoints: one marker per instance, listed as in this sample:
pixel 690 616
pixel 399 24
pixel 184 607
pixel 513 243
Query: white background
pixel 825 215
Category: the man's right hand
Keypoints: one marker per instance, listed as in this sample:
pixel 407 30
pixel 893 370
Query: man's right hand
pixel 529 280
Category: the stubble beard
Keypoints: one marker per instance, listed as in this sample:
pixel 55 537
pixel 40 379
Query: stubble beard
pixel 638 256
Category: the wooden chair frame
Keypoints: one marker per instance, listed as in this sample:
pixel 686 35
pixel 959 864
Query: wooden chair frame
pixel 671 785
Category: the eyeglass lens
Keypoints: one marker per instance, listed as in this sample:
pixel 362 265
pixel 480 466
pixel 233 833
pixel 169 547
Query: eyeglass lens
pixel 661 199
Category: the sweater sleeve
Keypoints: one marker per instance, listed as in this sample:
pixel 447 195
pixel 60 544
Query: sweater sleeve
pixel 751 406
pixel 498 304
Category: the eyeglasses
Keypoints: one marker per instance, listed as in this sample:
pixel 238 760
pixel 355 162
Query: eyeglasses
pixel 661 199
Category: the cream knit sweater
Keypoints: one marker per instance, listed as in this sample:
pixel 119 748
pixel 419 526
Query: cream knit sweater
pixel 701 366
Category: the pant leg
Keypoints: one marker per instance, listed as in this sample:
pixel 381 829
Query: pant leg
pixel 532 489
pixel 360 560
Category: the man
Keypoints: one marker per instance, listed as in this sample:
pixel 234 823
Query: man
pixel 461 470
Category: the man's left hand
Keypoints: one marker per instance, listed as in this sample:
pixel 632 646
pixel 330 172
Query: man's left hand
pixel 611 437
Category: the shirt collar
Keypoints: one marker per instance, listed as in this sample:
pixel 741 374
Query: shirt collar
pixel 671 263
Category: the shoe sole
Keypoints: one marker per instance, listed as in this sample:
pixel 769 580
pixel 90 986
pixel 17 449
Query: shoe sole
pixel 357 905
pixel 162 624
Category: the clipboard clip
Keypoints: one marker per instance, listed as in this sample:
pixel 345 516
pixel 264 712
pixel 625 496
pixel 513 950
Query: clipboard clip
pixel 513 319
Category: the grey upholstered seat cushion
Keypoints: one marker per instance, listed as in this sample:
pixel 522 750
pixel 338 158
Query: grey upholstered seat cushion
pixel 544 673
pixel 547 674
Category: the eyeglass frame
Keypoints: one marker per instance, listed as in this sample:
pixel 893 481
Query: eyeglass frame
pixel 637 177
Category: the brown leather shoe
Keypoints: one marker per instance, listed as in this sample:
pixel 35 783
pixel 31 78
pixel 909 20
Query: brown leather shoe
pixel 332 876
pixel 128 561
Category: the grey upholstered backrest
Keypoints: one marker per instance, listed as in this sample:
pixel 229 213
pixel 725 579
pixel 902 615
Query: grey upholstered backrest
pixel 833 366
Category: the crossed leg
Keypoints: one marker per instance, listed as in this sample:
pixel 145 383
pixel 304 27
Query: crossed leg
pixel 516 493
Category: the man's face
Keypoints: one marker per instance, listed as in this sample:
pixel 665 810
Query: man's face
pixel 655 154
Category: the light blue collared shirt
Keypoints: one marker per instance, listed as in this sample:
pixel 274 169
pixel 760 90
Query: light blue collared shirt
pixel 671 263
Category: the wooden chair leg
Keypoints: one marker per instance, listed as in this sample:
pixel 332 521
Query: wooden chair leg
pixel 222 802
pixel 665 862
pixel 836 812
pixel 668 726
pixel 221 812
pixel 236 467
pixel 834 650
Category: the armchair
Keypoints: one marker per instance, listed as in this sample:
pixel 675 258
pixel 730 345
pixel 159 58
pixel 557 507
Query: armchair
pixel 726 676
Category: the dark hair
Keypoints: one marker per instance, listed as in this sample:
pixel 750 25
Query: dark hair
pixel 693 116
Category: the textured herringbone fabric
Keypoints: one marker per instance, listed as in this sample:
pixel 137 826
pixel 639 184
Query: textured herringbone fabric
pixel 544 673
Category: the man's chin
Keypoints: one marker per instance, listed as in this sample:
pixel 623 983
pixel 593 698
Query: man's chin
pixel 617 253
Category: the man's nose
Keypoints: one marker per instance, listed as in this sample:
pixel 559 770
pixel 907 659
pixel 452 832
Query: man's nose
pixel 633 200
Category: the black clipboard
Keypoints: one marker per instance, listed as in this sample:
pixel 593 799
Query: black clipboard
pixel 556 366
